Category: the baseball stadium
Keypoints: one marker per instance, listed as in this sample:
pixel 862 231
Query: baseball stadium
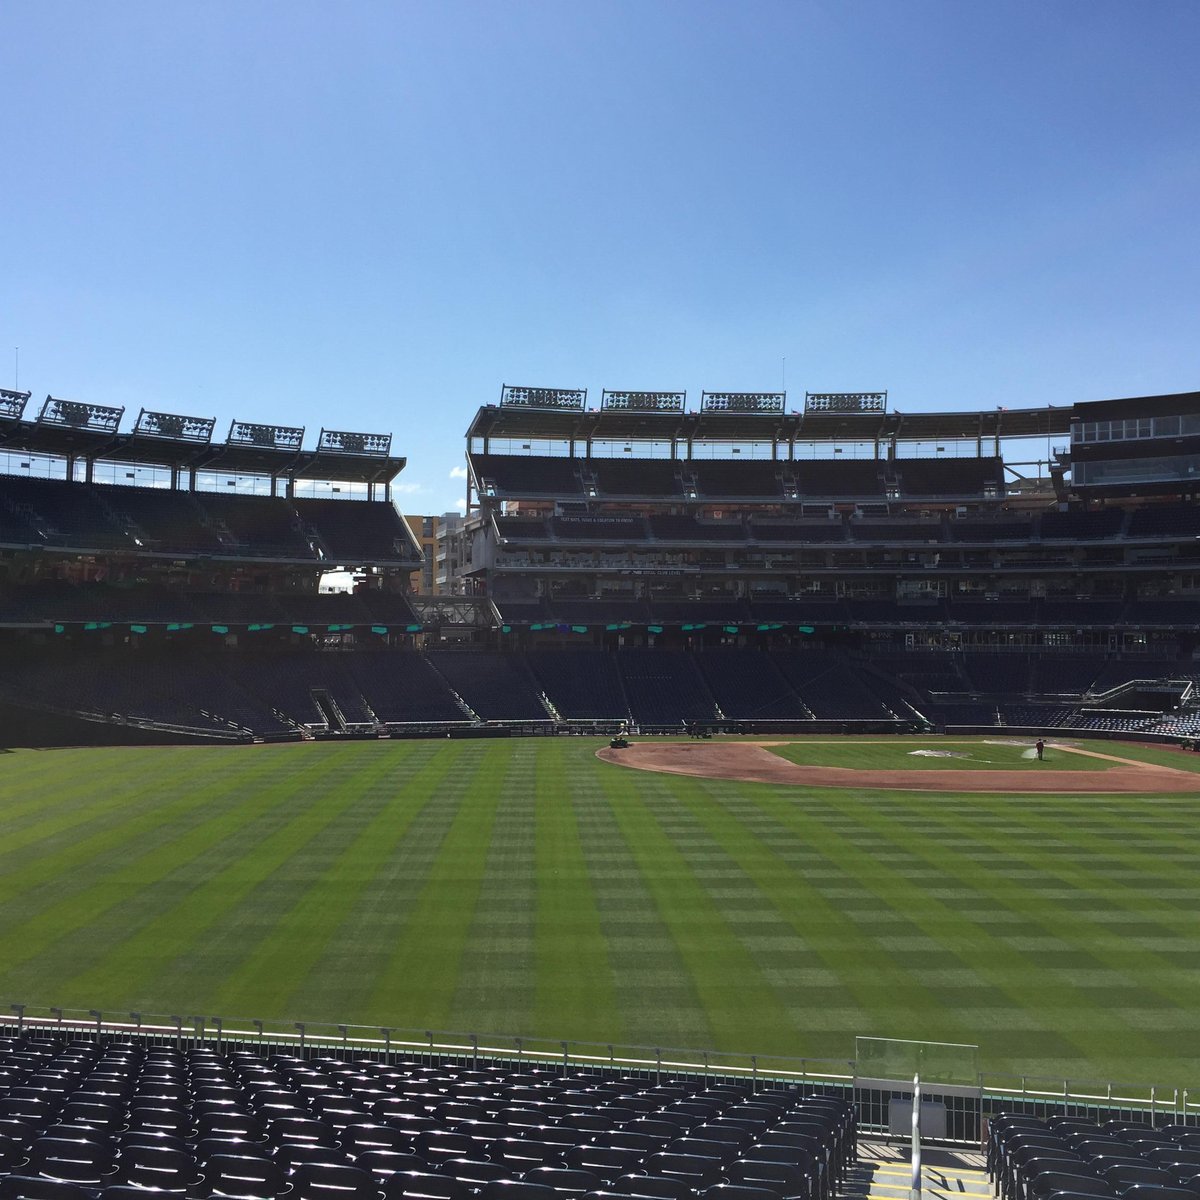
pixel 765 777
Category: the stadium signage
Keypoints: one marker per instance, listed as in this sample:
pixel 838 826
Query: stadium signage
pixel 743 402
pixel 76 415
pixel 272 437
pixel 338 441
pixel 12 404
pixel 845 402
pixel 174 427
pixel 569 399
pixel 643 401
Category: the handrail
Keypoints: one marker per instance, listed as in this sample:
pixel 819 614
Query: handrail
pixel 383 1040
pixel 915 1189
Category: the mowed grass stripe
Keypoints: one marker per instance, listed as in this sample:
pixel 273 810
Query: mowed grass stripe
pixel 994 956
pixel 860 975
pixel 496 977
pixel 417 986
pixel 656 997
pixel 1120 830
pixel 1077 928
pixel 98 873
pixel 80 820
pixel 1127 1000
pixel 186 907
pixel 69 776
pixel 1059 844
pixel 578 999
pixel 1003 971
pixel 398 844
pixel 283 920
pixel 743 1008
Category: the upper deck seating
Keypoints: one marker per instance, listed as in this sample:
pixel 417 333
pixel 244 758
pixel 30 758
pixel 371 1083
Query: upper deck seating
pixel 1165 520
pixel 800 532
pixel 61 514
pixel 713 610
pixel 159 519
pixel 895 531
pixel 518 476
pixel 1080 612
pixel 668 528
pixel 800 609
pixel 1165 611
pixel 937 477
pixel 522 610
pixel 355 532
pixel 523 529
pixel 599 528
pixel 834 477
pixel 993 612
pixel 718 478
pixel 570 610
pixel 256 524
pixel 658 477
pixel 1106 523
pixel 1000 529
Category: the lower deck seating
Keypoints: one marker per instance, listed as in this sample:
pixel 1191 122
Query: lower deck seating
pixel 829 686
pixel 664 687
pixel 87 1119
pixel 497 686
pixel 748 687
pixel 269 688
pixel 583 685
pixel 1030 1158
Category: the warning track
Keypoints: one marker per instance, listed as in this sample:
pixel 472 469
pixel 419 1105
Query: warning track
pixel 751 762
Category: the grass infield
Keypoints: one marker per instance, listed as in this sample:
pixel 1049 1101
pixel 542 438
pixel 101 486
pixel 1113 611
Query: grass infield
pixel 522 887
pixel 924 754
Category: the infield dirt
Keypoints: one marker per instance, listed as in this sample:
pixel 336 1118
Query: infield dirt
pixel 753 762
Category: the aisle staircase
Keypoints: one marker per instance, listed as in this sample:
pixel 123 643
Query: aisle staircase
pixel 883 1172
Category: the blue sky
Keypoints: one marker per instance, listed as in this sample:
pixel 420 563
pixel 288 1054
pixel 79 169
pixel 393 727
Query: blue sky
pixel 370 216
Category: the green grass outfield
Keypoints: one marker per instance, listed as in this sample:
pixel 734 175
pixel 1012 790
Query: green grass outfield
pixel 524 888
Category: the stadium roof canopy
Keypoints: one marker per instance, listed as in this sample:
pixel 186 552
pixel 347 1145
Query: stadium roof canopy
pixel 584 425
pixel 72 430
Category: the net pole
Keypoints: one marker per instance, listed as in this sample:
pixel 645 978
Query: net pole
pixel 915 1190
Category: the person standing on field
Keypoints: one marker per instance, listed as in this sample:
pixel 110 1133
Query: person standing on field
pixel 1040 747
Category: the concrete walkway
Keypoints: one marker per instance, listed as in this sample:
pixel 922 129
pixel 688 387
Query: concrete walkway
pixel 884 1172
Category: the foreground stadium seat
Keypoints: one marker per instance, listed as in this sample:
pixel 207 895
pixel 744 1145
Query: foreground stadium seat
pixel 230 1177
pixel 73 1159
pixel 320 1181
pixel 24 1187
pixel 421 1185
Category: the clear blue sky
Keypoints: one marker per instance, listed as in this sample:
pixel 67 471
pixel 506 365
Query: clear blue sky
pixel 370 215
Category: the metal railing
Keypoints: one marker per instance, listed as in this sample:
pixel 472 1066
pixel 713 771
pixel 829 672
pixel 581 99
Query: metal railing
pixel 968 1103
